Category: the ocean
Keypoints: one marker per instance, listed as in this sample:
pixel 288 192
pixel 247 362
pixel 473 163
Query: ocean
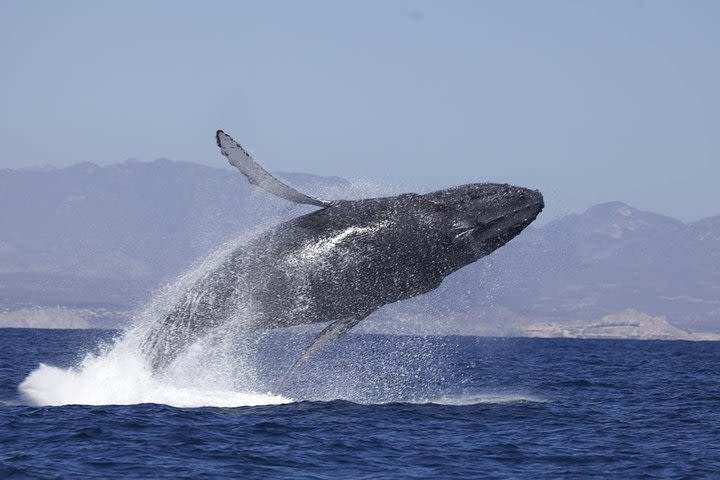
pixel 73 405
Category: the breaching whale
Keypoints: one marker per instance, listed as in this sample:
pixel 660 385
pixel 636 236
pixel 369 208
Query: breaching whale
pixel 343 261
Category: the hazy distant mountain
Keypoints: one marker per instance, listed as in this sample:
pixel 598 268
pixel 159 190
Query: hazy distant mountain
pixel 101 236
pixel 88 234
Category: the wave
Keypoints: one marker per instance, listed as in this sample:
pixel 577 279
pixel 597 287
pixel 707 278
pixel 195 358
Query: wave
pixel 479 399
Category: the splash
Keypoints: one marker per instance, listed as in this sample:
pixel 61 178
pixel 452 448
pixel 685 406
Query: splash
pixel 120 374
pixel 220 369
pixel 122 377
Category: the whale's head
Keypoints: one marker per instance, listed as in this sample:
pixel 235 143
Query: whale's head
pixel 414 239
pixel 474 220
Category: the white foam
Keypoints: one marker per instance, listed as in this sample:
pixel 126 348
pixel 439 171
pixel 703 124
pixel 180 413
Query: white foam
pixel 121 377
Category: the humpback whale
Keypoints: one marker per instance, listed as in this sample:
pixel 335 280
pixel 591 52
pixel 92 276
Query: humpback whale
pixel 344 260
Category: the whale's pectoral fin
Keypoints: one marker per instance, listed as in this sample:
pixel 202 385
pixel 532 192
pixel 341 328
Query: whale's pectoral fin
pixel 257 175
pixel 328 335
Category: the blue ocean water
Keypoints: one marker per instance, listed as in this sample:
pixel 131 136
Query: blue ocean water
pixel 372 407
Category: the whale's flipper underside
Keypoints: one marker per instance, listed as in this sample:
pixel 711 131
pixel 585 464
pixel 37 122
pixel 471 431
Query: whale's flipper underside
pixel 257 175
pixel 328 335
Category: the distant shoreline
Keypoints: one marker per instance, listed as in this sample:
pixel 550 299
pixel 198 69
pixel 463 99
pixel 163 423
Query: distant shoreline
pixel 712 337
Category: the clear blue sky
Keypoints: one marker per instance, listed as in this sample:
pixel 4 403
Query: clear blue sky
pixel 588 101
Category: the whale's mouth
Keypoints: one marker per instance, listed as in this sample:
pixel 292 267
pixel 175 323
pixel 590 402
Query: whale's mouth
pixel 508 223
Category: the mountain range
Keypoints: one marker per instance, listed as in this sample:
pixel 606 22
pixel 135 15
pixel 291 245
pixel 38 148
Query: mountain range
pixel 102 239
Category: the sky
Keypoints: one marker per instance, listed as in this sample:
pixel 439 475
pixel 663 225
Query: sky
pixel 587 101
